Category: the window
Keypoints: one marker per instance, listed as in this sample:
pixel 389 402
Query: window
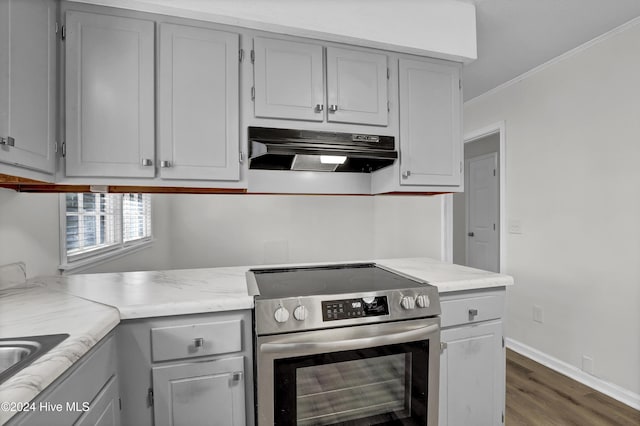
pixel 97 226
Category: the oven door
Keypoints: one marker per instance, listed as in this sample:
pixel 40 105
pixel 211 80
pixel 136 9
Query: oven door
pixel 385 373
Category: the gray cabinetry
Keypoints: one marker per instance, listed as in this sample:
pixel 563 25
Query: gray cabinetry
pixel 288 80
pixel 430 123
pixel 198 103
pixel 472 361
pixel 357 87
pixel 87 393
pixel 290 84
pixel 28 84
pixel 109 95
pixel 200 393
pixel 187 370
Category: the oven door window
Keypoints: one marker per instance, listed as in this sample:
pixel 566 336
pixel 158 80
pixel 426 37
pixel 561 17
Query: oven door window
pixel 381 385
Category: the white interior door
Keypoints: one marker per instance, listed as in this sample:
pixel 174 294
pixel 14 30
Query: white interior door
pixel 482 212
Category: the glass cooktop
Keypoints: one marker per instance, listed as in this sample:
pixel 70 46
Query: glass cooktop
pixel 331 279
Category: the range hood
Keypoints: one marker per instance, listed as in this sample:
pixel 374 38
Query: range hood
pixel 287 149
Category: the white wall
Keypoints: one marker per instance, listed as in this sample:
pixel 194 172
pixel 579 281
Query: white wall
pixel 573 180
pixel 440 28
pixel 29 232
pixel 224 230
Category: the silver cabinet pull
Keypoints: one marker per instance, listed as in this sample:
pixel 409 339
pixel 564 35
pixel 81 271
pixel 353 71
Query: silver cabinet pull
pixel 319 108
pixel 406 174
pixel 198 342
pixel 471 234
pixel 473 313
pixel 146 162
pixel 8 141
pixel 443 346
pixel 165 164
pixel 333 108
pixel 236 376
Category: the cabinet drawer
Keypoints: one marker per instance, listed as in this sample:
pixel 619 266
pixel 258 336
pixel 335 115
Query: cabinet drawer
pixel 189 341
pixel 469 309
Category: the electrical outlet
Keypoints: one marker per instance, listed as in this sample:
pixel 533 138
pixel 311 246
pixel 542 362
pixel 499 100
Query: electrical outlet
pixel 538 314
pixel 515 226
pixel 587 364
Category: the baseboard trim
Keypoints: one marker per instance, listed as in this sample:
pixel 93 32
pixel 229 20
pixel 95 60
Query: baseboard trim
pixel 616 392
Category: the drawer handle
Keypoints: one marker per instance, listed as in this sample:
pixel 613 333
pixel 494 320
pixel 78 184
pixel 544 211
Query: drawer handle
pixel 198 342
pixel 473 313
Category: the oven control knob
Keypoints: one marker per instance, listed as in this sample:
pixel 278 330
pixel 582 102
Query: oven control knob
pixel 422 301
pixel 281 314
pixel 408 302
pixel 300 313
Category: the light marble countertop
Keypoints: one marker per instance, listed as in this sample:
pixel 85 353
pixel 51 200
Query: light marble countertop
pixel 446 276
pixel 33 311
pixel 46 305
pixel 159 293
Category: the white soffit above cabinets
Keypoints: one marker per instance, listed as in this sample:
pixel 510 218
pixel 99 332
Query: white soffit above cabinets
pixel 515 36
pixel 444 29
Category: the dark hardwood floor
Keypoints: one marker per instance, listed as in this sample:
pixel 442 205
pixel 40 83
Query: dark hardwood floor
pixel 537 395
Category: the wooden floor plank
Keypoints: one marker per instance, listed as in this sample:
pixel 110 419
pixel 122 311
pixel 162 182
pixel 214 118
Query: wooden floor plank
pixel 539 396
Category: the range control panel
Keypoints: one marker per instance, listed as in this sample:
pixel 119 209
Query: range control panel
pixel 333 310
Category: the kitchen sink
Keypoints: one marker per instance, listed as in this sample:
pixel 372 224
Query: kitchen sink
pixel 18 352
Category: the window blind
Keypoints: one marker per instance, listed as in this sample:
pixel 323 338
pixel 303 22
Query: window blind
pixel 101 222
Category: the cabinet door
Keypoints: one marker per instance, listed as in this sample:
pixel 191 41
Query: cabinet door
pixel 109 96
pixel 472 375
pixel 357 87
pixel 430 124
pixel 200 393
pixel 198 103
pixel 288 80
pixel 104 410
pixel 27 83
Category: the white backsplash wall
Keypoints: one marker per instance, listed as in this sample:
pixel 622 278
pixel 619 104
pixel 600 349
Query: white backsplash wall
pixel 223 230
pixel 573 187
pixel 220 230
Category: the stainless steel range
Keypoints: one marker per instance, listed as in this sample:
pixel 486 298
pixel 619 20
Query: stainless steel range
pixel 348 344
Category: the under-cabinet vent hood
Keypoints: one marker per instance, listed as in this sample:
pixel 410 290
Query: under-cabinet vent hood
pixel 286 149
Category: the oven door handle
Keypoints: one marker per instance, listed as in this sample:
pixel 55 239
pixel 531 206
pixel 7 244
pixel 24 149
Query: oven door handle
pixel 347 344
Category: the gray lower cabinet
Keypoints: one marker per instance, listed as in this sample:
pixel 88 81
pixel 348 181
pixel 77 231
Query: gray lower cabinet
pixel 187 370
pixel 472 361
pixel 201 393
pixel 87 393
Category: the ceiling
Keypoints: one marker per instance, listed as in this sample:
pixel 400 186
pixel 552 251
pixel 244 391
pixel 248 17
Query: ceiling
pixel 515 36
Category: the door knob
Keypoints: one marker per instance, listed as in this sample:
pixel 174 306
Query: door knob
pixel 333 108
pixel 319 108
pixel 146 162
pixel 471 234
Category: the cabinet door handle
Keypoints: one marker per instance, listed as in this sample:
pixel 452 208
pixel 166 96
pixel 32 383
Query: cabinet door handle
pixel 198 342
pixel 319 108
pixel 405 175
pixel 473 313
pixel 333 108
pixel 8 141
pixel 236 376
pixel 146 162
pixel 471 234
pixel 165 164
pixel 443 346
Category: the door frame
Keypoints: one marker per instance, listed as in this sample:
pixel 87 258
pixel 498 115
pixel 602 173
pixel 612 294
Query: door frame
pixel 447 200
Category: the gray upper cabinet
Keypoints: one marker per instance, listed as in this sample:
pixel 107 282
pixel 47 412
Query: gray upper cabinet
pixel 200 393
pixel 198 103
pixel 357 87
pixel 109 95
pixel 28 83
pixel 288 80
pixel 430 123
pixel 289 83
